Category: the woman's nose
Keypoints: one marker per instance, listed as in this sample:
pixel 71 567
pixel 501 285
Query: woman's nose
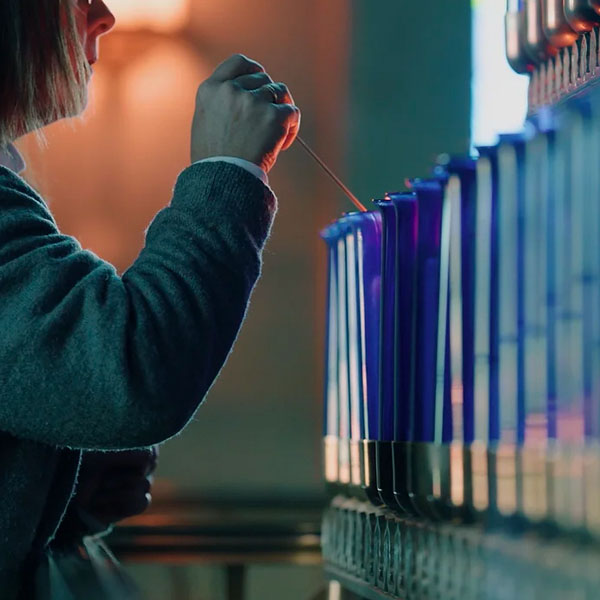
pixel 100 19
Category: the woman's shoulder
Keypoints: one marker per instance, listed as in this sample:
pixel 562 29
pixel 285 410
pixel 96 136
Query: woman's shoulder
pixel 14 189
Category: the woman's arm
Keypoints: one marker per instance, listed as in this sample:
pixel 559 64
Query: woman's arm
pixel 89 359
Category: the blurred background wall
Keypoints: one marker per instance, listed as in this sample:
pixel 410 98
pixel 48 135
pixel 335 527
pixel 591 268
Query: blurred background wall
pixel 383 86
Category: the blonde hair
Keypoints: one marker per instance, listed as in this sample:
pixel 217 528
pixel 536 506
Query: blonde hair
pixel 39 81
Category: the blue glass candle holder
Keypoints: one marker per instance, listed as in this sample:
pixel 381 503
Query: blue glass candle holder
pixel 399 232
pixel 331 417
pixel 427 453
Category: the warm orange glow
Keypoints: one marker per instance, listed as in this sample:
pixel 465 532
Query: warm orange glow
pixel 157 15
pixel 534 482
pixel 570 426
pixel 506 472
pixel 355 462
pixel 456 474
pixel 331 458
pixel 479 467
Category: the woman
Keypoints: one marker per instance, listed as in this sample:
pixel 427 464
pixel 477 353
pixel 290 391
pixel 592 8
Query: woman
pixel 90 360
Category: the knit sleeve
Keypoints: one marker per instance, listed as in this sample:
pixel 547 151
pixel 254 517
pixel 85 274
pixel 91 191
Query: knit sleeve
pixel 90 359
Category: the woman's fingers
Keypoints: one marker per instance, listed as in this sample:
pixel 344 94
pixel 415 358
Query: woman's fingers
pixel 235 66
pixel 260 128
pixel 253 81
pixel 114 506
pixel 95 463
pixel 278 93
pixel 121 478
pixel 127 488
pixel 292 117
pixel 116 485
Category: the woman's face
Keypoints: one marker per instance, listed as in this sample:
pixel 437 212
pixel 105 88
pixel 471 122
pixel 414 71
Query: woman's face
pixel 93 20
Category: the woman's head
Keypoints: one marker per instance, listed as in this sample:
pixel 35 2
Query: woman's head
pixel 46 47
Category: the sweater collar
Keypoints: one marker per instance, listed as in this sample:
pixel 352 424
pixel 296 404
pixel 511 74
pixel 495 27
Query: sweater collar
pixel 11 158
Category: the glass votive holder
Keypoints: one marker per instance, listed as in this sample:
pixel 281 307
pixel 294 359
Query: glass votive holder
pixel 378 566
pixel 359 542
pixel 398 545
pixel 389 549
pixel 368 549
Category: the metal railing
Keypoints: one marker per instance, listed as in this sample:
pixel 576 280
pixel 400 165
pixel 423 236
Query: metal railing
pixel 229 533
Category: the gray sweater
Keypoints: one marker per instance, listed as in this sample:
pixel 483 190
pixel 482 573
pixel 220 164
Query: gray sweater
pixel 90 359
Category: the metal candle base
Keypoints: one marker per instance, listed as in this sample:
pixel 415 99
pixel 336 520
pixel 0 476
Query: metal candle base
pixel 385 474
pixel 430 482
pixel 401 452
pixel 370 480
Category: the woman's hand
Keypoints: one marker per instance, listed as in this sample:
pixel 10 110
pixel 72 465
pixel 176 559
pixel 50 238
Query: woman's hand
pixel 111 486
pixel 241 112
pixel 115 485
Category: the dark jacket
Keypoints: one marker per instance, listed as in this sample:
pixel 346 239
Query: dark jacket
pixel 90 359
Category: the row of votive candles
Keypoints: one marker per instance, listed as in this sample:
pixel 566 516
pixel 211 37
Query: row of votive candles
pixel 463 334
